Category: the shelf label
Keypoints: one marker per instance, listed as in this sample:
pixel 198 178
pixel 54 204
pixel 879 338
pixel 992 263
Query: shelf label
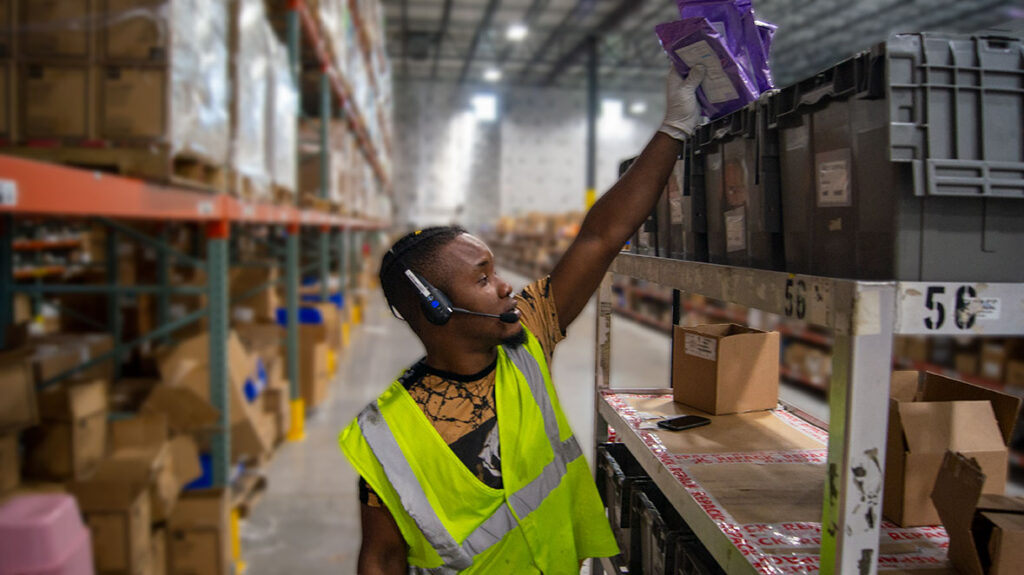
pixel 953 308
pixel 205 208
pixel 700 346
pixel 248 211
pixel 8 193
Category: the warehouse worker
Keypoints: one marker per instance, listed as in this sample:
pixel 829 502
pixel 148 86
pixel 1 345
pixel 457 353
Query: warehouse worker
pixel 467 462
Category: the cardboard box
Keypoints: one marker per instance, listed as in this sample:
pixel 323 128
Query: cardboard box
pixel 993 360
pixel 167 465
pixel 17 391
pixel 56 101
pixel 6 89
pixel 132 103
pixel 277 403
pixel 928 415
pixel 135 30
pixel 966 363
pixel 314 378
pixel 198 534
pixel 72 438
pixel 55 28
pixel 913 348
pixel 186 412
pixel 116 509
pixel 986 532
pixel 10 462
pixel 158 552
pixel 1015 372
pixel 725 368
pixel 185 370
pixel 57 353
pixel 264 304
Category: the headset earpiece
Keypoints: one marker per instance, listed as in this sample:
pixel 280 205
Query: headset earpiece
pixel 436 306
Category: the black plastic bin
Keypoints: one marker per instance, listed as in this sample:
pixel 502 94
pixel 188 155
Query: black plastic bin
pixel 739 154
pixel 691 558
pixel 689 226
pixel 660 527
pixel 906 162
pixel 618 476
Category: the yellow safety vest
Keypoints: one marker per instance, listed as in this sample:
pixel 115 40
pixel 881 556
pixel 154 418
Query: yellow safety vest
pixel 545 519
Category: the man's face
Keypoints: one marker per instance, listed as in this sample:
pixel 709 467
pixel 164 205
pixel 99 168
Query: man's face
pixel 473 284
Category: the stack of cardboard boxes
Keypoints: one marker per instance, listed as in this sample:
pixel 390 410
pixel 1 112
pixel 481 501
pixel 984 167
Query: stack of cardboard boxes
pixel 123 71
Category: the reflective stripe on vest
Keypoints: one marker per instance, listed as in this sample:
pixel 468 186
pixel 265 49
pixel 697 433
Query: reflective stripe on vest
pixel 456 557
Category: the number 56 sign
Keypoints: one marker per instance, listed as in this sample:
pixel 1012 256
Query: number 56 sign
pixel 955 308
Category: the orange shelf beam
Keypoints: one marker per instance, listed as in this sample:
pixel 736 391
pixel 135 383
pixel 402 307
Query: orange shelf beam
pixel 31 187
pixel 41 245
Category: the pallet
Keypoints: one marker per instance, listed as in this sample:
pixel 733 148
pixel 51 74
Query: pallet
pixel 250 189
pixel 283 196
pixel 311 201
pixel 156 163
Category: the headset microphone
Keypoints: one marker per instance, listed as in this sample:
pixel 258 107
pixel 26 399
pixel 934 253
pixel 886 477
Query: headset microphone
pixel 438 309
pixel 507 317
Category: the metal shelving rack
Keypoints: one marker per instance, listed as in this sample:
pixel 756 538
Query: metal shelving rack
pixel 40 190
pixel 863 316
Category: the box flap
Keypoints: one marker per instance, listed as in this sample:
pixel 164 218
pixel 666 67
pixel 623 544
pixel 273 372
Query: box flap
pixel 185 460
pixel 721 329
pixel 149 430
pixel 1001 503
pixel 201 509
pixel 185 411
pixel 939 388
pixel 955 496
pixel 965 426
pixel 904 385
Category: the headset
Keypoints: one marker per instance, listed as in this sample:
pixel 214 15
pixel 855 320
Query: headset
pixel 434 303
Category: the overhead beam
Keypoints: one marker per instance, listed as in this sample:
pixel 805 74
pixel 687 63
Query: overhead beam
pixel 553 37
pixel 536 8
pixel 446 15
pixel 485 24
pixel 608 23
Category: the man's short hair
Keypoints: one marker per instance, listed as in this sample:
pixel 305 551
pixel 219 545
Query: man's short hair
pixel 416 251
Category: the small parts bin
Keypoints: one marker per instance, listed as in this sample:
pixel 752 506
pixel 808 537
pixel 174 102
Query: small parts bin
pixel 44 535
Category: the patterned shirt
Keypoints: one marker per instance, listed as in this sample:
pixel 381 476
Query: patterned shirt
pixel 461 407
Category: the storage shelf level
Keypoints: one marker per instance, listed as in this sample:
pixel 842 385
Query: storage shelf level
pixel 38 188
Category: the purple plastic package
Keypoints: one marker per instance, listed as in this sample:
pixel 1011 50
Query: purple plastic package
pixel 726 86
pixel 762 68
pixel 734 20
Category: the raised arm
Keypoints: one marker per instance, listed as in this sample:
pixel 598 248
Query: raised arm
pixel 625 206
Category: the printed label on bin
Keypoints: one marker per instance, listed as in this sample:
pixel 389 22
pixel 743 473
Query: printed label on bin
pixel 736 230
pixel 8 193
pixel 700 346
pixel 716 84
pixel 834 179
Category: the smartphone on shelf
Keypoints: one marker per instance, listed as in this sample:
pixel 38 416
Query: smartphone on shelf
pixel 683 422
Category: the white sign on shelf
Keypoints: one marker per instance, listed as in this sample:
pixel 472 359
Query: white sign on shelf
pixel 960 308
pixel 8 193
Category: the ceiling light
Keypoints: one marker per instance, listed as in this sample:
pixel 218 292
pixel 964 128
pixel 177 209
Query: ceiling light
pixel 492 74
pixel 637 108
pixel 517 32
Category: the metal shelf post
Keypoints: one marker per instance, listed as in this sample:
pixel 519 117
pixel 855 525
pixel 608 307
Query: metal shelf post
pixel 6 276
pixel 114 298
pixel 298 410
pixel 163 299
pixel 217 285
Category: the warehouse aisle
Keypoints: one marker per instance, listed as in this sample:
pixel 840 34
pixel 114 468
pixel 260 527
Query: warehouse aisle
pixel 308 521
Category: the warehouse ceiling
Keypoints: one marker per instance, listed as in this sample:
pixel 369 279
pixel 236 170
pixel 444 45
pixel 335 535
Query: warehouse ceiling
pixel 470 41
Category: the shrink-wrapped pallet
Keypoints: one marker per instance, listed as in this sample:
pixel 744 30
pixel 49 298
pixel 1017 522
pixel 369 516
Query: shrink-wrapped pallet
pixel 283 130
pixel 251 38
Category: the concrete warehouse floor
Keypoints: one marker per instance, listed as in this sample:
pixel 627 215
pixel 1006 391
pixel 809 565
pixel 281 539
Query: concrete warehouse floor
pixel 308 521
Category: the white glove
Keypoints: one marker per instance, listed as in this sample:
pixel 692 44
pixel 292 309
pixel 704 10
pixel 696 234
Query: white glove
pixel 682 112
